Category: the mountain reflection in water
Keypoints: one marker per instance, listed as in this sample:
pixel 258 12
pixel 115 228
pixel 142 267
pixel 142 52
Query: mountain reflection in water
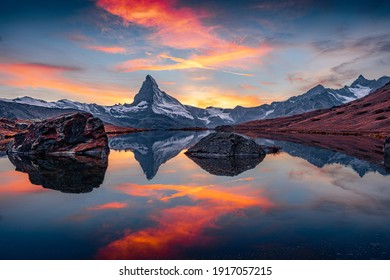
pixel 152 149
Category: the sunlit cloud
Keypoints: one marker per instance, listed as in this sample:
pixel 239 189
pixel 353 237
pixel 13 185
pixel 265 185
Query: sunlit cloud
pixel 107 49
pixel 200 78
pixel 168 83
pixel 54 77
pixel 238 56
pixel 178 27
pixel 183 28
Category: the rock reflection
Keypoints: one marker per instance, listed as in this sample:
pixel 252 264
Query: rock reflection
pixel 227 166
pixel 78 174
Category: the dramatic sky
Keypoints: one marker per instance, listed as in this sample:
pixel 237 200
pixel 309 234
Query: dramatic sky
pixel 203 52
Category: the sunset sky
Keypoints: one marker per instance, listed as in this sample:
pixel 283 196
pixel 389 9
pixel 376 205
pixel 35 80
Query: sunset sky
pixel 203 52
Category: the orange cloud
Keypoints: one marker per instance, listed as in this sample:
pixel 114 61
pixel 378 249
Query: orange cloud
pixel 237 56
pixel 181 227
pixel 53 77
pixel 181 27
pixel 107 206
pixel 200 78
pixel 178 27
pixel 107 49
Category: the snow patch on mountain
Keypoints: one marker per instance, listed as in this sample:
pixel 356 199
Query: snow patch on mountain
pixel 171 110
pixel 219 113
pixel 35 102
pixel 269 112
pixel 121 110
pixel 360 91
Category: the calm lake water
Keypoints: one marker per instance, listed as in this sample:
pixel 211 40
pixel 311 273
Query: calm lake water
pixel 153 202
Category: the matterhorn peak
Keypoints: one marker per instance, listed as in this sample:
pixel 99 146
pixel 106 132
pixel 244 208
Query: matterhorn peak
pixel 150 79
pixel 148 92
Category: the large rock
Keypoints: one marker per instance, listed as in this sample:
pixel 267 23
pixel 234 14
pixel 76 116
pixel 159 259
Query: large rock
pixel 70 174
pixel 386 150
pixel 78 133
pixel 222 144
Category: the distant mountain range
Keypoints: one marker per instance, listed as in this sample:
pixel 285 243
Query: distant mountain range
pixel 153 108
pixel 368 114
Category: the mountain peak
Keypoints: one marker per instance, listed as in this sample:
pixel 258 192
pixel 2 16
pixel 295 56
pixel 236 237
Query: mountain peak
pixel 148 91
pixel 315 90
pixel 150 79
pixel 361 80
pixel 318 87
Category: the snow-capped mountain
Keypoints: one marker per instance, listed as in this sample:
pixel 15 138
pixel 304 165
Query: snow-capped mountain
pixel 316 98
pixel 150 96
pixel 155 109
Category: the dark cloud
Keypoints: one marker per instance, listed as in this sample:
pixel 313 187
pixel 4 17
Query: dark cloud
pixel 325 46
pixel 370 44
pixel 55 67
pixel 343 70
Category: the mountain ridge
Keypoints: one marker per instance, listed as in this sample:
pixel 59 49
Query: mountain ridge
pixel 368 114
pixel 153 108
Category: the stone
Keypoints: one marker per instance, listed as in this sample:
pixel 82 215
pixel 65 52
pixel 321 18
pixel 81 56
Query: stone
pixel 222 144
pixel 75 133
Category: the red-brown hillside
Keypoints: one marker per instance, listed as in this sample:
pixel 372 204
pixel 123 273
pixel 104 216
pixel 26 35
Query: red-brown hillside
pixel 113 130
pixel 370 114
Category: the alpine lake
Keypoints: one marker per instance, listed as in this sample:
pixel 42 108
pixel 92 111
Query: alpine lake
pixel 312 200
